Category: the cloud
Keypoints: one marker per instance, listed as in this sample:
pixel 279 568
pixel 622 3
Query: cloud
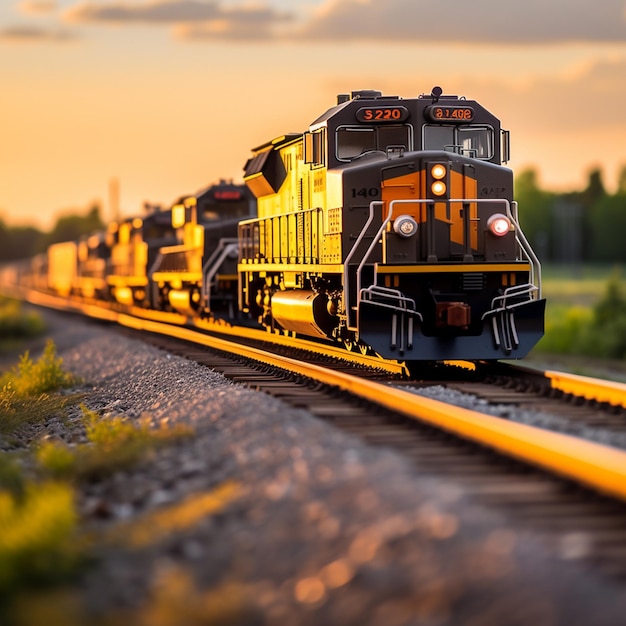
pixel 156 12
pixel 150 12
pixel 37 7
pixel 480 21
pixel 28 34
pixel 406 21
pixel 193 19
pixel 239 24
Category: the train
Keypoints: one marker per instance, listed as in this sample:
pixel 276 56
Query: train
pixel 388 226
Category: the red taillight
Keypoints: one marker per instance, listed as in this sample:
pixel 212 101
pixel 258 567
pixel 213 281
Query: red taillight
pixel 499 224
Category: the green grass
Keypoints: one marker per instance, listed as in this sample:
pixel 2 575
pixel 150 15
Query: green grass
pixel 15 324
pixel 37 538
pixel 114 443
pixel 585 312
pixel 37 519
pixel 571 287
pixel 29 378
pixel 27 390
pixel 42 545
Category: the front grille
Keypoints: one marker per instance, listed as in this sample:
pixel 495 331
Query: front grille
pixel 473 281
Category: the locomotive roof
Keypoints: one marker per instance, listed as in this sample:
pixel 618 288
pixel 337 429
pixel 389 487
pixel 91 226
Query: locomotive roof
pixel 376 98
pixel 278 141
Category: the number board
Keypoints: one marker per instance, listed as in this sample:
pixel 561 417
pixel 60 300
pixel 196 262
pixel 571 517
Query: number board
pixel 382 114
pixel 448 113
pixel 227 195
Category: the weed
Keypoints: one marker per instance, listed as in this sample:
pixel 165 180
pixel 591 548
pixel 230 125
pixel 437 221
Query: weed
pixel 17 412
pixel 29 378
pixel 36 536
pixel 114 443
pixel 26 390
pixel 15 323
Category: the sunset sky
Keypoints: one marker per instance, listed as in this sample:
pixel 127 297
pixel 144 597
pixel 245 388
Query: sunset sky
pixel 167 96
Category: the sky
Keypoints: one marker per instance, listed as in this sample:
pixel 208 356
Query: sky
pixel 167 96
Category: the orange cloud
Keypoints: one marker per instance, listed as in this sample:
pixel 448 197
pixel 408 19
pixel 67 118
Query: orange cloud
pixel 34 34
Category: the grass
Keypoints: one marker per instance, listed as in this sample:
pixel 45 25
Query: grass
pixel 37 538
pixel 585 320
pixel 26 390
pixel 584 286
pixel 37 519
pixel 29 378
pixel 41 541
pixel 15 324
pixel 113 444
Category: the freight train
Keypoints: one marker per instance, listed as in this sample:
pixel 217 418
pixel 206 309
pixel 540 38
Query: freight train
pixel 389 226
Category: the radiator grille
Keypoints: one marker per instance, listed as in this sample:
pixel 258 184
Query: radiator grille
pixel 473 281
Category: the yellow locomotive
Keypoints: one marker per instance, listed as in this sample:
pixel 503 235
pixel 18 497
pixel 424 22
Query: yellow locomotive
pixel 390 225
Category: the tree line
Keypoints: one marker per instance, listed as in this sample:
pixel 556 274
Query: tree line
pixel 22 242
pixel 585 226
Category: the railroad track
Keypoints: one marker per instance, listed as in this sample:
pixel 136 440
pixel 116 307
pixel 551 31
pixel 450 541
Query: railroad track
pixel 576 522
pixel 570 492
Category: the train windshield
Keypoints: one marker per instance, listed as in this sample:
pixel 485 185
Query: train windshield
pixel 353 141
pixel 212 210
pixel 472 141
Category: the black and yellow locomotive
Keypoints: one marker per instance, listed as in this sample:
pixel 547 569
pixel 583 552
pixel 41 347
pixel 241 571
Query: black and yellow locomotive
pixel 390 225
pixel 197 276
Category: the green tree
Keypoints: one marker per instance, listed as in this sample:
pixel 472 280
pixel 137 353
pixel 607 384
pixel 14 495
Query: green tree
pixel 535 212
pixel 621 181
pixel 72 226
pixel 595 189
pixel 607 229
pixel 20 242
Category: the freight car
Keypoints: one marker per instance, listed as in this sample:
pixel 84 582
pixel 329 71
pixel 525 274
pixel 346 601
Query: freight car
pixel 390 226
pixel 78 268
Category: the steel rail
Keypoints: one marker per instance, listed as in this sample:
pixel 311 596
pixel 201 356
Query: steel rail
pixel 603 391
pixel 600 390
pixel 601 467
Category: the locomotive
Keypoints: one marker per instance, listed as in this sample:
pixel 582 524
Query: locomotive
pixel 390 226
pixel 197 276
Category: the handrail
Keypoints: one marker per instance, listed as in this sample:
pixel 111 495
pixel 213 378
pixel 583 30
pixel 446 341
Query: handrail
pixel 209 269
pixel 520 238
pixel 346 264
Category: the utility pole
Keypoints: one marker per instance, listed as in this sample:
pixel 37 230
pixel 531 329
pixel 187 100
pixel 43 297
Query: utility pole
pixel 114 199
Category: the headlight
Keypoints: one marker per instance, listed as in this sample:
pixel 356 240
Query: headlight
pixel 405 226
pixel 499 224
pixel 438 188
pixel 438 173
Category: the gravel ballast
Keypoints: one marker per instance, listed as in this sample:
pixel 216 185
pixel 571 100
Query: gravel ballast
pixel 266 515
